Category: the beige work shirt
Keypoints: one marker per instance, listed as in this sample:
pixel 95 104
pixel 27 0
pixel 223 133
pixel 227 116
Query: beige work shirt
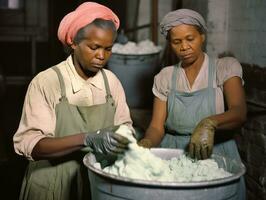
pixel 38 118
pixel 226 68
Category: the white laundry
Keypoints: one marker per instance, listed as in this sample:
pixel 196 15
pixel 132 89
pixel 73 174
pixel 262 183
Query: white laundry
pixel 140 163
pixel 143 47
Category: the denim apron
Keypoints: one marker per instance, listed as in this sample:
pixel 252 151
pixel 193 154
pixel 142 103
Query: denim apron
pixel 185 110
pixel 66 178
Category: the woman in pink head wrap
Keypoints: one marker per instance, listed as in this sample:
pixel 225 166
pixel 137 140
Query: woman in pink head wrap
pixel 72 108
pixel 82 16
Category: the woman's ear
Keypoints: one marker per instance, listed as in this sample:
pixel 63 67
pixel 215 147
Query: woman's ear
pixel 203 37
pixel 73 46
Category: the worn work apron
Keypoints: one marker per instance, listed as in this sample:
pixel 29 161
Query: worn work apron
pixel 66 178
pixel 185 110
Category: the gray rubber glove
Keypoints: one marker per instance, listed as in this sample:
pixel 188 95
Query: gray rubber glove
pixel 202 139
pixel 106 142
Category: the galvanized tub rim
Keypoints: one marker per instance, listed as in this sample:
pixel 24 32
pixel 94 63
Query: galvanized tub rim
pixel 215 182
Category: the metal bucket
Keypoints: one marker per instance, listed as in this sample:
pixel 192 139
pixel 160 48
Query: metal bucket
pixel 136 73
pixel 106 186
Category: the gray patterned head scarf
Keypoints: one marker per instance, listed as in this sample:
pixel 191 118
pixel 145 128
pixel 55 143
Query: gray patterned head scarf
pixel 182 16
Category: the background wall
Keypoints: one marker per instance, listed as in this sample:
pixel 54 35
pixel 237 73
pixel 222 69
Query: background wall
pixel 238 27
pixel 144 17
pixel 247 30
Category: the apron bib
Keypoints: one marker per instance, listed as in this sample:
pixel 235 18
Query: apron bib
pixel 185 110
pixel 66 178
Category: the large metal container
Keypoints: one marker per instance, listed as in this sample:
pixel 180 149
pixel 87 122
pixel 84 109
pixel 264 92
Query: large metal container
pixel 136 73
pixel 105 186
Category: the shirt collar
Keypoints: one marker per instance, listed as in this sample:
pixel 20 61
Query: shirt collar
pixel 97 81
pixel 78 82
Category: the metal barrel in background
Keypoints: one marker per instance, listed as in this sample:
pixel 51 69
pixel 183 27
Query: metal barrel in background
pixel 107 186
pixel 136 73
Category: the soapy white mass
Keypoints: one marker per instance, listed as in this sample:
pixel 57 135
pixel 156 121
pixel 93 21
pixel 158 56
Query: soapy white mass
pixel 140 163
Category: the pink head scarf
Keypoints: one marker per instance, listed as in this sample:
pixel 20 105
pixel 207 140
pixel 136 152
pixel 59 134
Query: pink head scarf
pixel 82 16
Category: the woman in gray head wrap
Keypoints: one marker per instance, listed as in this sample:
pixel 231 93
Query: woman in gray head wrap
pixel 182 16
pixel 188 110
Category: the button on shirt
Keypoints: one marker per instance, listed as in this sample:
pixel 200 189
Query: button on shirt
pixel 38 116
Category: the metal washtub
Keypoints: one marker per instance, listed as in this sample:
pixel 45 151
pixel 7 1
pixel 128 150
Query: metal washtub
pixel 136 74
pixel 106 186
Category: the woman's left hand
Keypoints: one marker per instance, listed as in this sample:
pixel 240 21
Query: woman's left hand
pixel 202 139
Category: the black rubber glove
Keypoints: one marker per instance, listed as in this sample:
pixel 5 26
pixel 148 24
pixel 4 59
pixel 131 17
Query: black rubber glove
pixel 202 139
pixel 106 142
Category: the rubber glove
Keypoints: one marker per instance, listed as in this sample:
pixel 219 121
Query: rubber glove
pixel 106 142
pixel 202 139
pixel 146 143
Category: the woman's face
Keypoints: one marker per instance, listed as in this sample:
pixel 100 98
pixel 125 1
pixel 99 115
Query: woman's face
pixel 93 52
pixel 186 41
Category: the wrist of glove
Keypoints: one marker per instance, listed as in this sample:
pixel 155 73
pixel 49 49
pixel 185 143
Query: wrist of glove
pixel 202 139
pixel 146 143
pixel 106 142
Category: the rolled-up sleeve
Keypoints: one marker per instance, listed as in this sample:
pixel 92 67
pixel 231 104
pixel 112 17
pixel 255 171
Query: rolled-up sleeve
pixel 37 120
pixel 161 84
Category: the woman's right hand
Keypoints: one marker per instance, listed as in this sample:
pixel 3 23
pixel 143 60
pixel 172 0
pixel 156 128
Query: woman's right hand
pixel 106 142
pixel 202 139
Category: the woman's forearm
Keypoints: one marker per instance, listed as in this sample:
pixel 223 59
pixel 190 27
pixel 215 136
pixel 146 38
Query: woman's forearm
pixel 48 148
pixel 154 135
pixel 233 118
pixel 155 131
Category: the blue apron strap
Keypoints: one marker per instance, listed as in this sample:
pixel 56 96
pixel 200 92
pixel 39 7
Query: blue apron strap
pixel 174 76
pixel 211 70
pixel 211 76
